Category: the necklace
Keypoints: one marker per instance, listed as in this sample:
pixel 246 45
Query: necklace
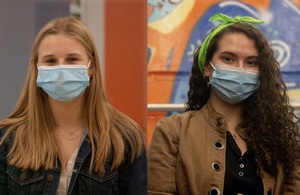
pixel 72 133
pixel 72 129
pixel 70 139
pixel 66 124
pixel 233 134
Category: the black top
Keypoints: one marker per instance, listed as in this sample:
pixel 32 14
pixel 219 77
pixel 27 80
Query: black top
pixel 241 171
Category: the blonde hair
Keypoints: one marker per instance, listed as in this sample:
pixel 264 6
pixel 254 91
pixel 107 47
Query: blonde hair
pixel 30 123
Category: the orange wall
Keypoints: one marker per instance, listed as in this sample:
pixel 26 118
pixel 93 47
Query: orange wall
pixel 126 57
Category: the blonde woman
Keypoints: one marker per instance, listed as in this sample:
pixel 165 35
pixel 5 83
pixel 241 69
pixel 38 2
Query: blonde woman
pixel 64 137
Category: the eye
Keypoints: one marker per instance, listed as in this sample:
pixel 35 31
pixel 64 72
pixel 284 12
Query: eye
pixel 228 59
pixel 72 59
pixel 252 62
pixel 50 61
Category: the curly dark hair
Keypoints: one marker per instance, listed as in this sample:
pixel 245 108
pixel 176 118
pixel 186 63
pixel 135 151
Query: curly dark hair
pixel 269 121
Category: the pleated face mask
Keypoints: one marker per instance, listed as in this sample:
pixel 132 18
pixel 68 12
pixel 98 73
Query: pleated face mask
pixel 232 84
pixel 63 82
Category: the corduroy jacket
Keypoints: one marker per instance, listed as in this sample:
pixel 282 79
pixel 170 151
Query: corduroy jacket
pixel 183 150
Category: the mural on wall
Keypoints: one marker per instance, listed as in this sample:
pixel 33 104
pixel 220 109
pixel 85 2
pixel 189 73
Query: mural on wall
pixel 177 27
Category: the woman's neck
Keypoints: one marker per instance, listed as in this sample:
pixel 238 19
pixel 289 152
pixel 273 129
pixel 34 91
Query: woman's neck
pixel 233 112
pixel 66 112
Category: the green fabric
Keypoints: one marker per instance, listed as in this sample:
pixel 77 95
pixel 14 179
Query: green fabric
pixel 226 21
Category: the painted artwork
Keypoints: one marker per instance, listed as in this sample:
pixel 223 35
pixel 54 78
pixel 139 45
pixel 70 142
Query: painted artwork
pixel 177 27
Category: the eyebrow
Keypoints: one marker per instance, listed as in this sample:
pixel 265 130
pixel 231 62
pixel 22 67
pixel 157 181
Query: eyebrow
pixel 47 56
pixel 74 54
pixel 233 54
pixel 51 55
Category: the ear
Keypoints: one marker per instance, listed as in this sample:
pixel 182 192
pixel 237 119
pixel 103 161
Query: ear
pixel 207 70
pixel 32 62
pixel 91 71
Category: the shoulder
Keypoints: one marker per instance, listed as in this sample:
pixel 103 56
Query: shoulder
pixel 188 122
pixel 182 118
pixel 132 137
pixel 5 142
pixel 293 186
pixel 172 126
pixel 6 136
pixel 2 132
pixel 177 122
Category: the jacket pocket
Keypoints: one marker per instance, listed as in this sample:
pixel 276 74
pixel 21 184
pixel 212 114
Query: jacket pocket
pixel 25 182
pixel 99 183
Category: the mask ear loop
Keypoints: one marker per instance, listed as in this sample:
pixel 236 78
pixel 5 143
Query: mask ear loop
pixel 206 78
pixel 212 65
pixel 89 64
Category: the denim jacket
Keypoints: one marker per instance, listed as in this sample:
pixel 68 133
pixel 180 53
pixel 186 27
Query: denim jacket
pixel 129 178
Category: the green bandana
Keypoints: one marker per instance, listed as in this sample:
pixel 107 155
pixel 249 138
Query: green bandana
pixel 226 21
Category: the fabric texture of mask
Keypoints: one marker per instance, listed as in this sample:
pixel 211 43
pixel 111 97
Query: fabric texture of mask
pixel 63 82
pixel 234 85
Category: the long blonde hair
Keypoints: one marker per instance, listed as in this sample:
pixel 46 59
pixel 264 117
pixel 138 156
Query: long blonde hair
pixel 30 123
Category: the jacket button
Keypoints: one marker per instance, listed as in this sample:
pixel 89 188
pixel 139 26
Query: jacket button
pixel 23 177
pixel 218 145
pixel 216 166
pixel 50 178
pixel 219 122
pixel 101 174
pixel 214 191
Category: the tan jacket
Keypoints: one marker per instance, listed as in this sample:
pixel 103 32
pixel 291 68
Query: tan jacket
pixel 183 149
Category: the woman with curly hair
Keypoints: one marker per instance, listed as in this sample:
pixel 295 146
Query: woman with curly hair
pixel 64 137
pixel 239 132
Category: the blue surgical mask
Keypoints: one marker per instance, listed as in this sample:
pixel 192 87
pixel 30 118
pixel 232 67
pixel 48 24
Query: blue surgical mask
pixel 232 84
pixel 63 82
